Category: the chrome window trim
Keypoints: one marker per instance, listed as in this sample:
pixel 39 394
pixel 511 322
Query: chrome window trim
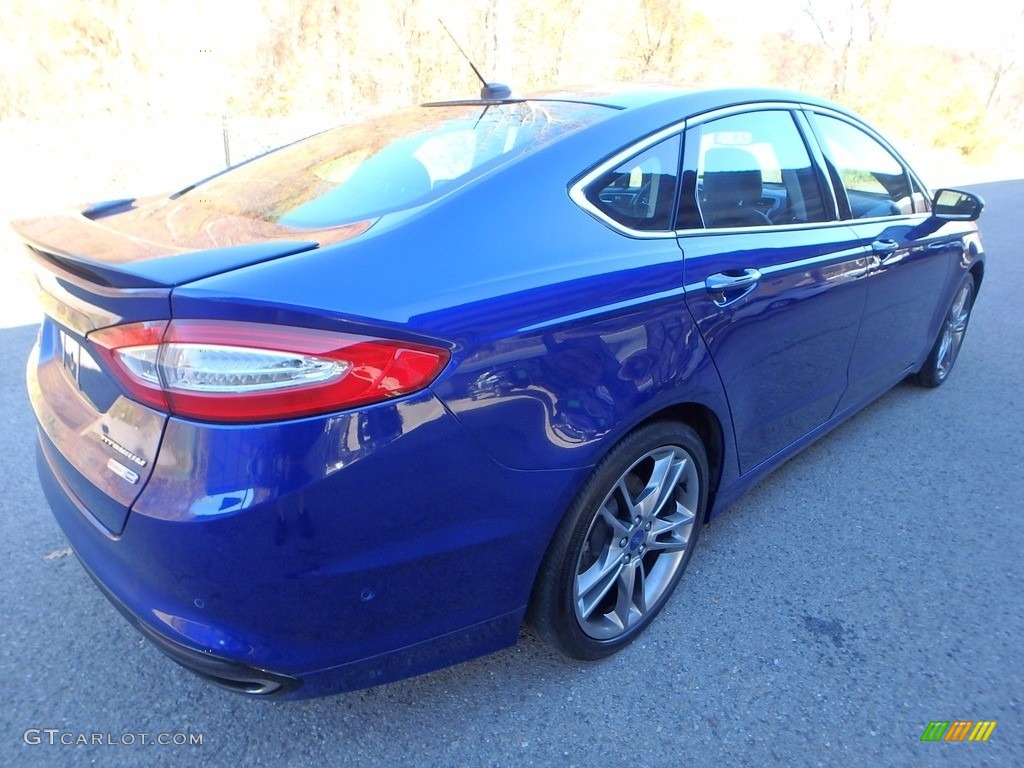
pixel 738 109
pixel 577 190
pixel 798 109
pixel 807 131
pixel 810 142
pixel 857 123
pixel 686 233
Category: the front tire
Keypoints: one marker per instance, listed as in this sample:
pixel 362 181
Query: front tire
pixel 623 545
pixel 937 367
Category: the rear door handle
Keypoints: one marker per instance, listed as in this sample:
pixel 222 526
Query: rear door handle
pixel 884 247
pixel 732 279
pixel 731 285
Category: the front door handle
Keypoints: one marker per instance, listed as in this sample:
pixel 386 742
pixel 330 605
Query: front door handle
pixel 732 279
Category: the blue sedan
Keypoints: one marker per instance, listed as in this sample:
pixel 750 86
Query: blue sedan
pixel 358 408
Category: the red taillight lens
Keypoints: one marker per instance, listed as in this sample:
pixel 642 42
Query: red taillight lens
pixel 235 371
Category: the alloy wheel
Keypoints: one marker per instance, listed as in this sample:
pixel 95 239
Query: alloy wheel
pixel 954 328
pixel 637 542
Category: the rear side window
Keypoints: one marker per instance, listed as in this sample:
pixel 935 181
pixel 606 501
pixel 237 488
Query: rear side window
pixel 397 161
pixel 876 183
pixel 640 193
pixel 753 170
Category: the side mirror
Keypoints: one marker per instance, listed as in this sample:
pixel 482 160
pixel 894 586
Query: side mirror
pixel 956 205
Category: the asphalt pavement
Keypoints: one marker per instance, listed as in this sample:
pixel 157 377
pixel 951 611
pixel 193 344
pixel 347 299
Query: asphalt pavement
pixel 870 586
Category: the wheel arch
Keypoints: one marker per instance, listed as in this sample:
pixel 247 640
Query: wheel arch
pixel 708 427
pixel 549 606
pixel 978 273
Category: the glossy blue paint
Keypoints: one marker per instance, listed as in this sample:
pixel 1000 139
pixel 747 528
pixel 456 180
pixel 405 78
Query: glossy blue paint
pixel 280 546
pixel 352 548
pixel 783 348
pixel 901 317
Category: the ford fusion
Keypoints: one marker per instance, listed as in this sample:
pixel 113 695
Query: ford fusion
pixel 358 408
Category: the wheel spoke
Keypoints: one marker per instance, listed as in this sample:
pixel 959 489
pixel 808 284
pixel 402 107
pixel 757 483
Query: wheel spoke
pixel 673 527
pixel 626 611
pixel 618 526
pixel 593 584
pixel 955 341
pixel 959 307
pixel 944 350
pixel 640 587
pixel 668 469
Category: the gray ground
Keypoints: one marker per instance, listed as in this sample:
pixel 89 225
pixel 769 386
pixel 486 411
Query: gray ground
pixel 870 586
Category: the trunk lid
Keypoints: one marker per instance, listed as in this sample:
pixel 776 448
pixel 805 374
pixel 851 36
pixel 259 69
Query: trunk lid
pixel 163 242
pixel 112 264
pixel 100 444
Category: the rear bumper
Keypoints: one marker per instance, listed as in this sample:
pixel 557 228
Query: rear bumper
pixel 366 574
pixel 222 672
pixel 251 681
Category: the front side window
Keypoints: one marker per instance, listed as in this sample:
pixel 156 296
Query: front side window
pixel 640 193
pixel 753 170
pixel 876 183
pixel 397 161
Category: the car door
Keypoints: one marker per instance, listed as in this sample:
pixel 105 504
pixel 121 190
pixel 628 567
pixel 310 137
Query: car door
pixel 773 280
pixel 912 256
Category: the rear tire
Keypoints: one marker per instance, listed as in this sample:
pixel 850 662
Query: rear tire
pixel 624 543
pixel 942 358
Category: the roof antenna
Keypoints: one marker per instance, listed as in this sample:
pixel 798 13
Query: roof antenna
pixel 490 91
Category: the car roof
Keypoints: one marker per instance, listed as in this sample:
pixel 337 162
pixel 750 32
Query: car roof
pixel 684 101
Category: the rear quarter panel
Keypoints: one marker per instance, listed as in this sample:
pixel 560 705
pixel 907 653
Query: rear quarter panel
pixel 564 334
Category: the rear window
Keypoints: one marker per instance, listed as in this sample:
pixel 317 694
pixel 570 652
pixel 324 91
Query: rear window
pixel 397 161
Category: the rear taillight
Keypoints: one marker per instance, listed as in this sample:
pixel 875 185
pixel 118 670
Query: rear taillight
pixel 218 370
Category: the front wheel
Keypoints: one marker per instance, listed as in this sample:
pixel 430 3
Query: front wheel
pixel 937 367
pixel 624 543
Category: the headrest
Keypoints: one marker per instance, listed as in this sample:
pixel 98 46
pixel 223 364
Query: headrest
pixel 731 176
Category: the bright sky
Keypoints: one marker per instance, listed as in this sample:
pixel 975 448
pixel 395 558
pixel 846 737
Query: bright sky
pixel 943 21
